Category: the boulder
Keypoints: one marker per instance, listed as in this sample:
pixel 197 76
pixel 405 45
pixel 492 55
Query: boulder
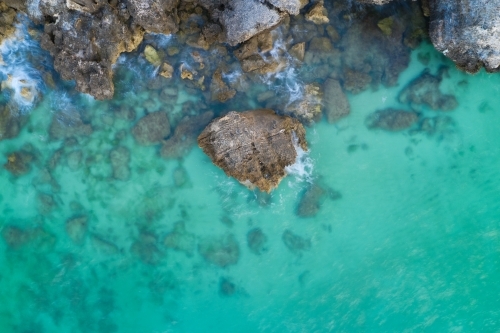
pixel 253 146
pixel 467 32
pixel 335 102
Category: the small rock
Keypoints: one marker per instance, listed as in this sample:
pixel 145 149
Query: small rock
pixel 386 25
pixel 226 287
pixel 318 14
pixel 152 56
pixel 298 51
pixel 19 163
pixel 307 108
pixel 167 70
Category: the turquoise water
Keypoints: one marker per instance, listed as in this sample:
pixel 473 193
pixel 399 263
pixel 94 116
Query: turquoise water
pixel 411 244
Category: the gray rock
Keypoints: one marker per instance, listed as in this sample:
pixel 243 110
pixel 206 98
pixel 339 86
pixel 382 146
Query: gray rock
pixel 336 105
pixel 467 32
pixel 253 146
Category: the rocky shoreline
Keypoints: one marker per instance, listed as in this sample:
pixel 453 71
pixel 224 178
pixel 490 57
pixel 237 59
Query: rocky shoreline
pixel 337 48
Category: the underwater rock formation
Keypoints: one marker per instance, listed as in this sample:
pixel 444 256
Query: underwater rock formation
pixel 19 162
pixel 467 32
pixel 180 240
pixel 257 240
pixel 391 119
pixel 295 243
pixel 424 90
pixel 221 251
pixel 312 199
pixel 253 146
pixel 336 105
pixel 76 228
pixel 151 129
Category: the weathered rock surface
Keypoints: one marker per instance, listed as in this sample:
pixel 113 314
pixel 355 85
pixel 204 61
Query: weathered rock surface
pixel 336 105
pixel 391 119
pixel 467 32
pixel 253 146
pixel 85 39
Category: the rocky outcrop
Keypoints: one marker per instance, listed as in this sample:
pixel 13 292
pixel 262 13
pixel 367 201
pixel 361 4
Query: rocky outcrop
pixel 253 146
pixel 85 39
pixel 467 32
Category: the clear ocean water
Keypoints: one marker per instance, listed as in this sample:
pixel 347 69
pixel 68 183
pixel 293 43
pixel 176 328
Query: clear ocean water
pixel 412 244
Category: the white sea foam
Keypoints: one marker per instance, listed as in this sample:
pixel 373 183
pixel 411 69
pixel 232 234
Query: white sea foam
pixel 18 75
pixel 303 167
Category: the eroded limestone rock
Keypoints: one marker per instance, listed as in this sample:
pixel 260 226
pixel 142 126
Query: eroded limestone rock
pixel 253 146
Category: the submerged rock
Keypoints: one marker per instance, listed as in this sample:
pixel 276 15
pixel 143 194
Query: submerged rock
pixel 17 238
pixel 253 146
pixel 76 228
pixel 19 163
pixel 336 105
pixel 145 248
pixel 221 251
pixel 424 90
pixel 391 119
pixel 151 129
pixel 295 243
pixel 318 14
pixel 120 159
pixel 257 240
pixel 181 240
pixel 312 199
pixel 10 123
pixel 68 123
pixel 185 134
pixel 308 107
pixel 226 287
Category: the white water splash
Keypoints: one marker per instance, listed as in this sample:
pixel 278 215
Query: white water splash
pixel 303 167
pixel 18 75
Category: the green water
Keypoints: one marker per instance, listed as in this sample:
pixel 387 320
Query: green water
pixel 412 245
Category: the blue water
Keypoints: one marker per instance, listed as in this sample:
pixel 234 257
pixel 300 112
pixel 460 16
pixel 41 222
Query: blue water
pixel 409 243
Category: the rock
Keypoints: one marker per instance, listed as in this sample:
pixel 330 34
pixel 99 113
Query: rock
pixel 74 160
pixel 17 238
pixel 386 25
pixel 104 246
pixel 424 90
pixel 226 287
pixel 295 243
pixel 356 81
pixel 10 123
pixel 257 240
pixel 19 163
pixel 167 71
pixel 318 14
pixel 291 6
pixel 336 104
pixel 68 123
pixel 86 42
pixel 219 89
pixel 158 16
pixel 243 19
pixel 467 32
pixel 181 240
pixel 312 199
pixel 253 146
pixel 152 56
pixel 185 135
pixel 145 248
pixel 7 20
pixel 308 107
pixel 120 159
pixel 151 129
pixel 298 51
pixel 76 228
pixel 221 251
pixel 391 119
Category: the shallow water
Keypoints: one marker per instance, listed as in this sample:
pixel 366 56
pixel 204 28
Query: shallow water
pixel 411 243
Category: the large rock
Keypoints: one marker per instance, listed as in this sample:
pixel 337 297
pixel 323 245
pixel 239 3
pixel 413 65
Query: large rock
pixel 253 146
pixel 467 32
